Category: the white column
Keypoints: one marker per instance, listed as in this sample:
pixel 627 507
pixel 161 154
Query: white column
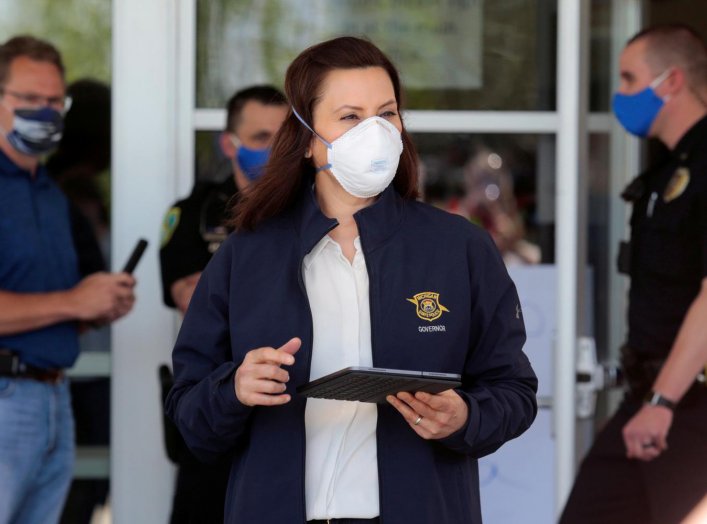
pixel 573 22
pixel 144 184
pixel 186 95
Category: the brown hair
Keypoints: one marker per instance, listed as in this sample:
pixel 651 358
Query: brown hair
pixel 670 45
pixel 31 47
pixel 266 95
pixel 288 168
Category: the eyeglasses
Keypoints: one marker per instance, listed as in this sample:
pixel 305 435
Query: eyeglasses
pixel 60 103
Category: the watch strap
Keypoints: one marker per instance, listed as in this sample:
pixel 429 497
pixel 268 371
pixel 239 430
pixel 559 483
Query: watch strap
pixel 653 398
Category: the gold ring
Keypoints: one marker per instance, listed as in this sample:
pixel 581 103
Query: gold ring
pixel 418 420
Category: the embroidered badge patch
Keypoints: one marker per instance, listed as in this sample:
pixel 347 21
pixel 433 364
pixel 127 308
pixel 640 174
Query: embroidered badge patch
pixel 169 224
pixel 428 306
pixel 677 184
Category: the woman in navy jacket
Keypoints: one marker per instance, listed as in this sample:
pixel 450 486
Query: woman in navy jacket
pixel 431 293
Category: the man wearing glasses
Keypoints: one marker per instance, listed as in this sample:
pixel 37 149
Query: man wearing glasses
pixel 43 302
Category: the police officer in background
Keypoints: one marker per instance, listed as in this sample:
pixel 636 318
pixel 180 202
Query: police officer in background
pixel 193 228
pixel 649 464
pixel 192 231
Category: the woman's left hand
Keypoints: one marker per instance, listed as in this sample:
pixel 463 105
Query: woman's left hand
pixel 432 416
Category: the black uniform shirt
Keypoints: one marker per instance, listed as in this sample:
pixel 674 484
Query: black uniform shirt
pixel 192 230
pixel 668 244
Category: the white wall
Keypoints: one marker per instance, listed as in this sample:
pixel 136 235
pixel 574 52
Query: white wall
pixel 144 184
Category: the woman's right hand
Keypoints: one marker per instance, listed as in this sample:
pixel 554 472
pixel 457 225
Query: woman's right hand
pixel 259 380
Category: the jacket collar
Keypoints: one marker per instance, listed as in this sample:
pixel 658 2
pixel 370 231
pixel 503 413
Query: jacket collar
pixel 310 222
pixel 694 137
pixel 376 223
pixel 379 221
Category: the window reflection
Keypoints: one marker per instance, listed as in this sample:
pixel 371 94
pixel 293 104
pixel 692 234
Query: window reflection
pixel 492 181
pixel 490 201
pixel 80 29
pixel 452 54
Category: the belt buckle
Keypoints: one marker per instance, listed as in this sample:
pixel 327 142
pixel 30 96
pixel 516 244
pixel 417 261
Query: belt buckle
pixel 10 362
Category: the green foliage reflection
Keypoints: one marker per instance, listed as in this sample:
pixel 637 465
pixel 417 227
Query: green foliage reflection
pixel 81 30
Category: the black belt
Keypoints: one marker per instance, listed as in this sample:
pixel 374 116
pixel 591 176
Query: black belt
pixel 640 372
pixel 374 520
pixel 50 376
pixel 10 366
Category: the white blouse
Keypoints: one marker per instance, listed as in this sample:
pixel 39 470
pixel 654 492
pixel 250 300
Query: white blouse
pixel 341 468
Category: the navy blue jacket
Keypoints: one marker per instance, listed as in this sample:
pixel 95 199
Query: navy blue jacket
pixel 252 294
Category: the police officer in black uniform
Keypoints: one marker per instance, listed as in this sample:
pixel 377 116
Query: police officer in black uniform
pixel 649 464
pixel 193 228
pixel 192 231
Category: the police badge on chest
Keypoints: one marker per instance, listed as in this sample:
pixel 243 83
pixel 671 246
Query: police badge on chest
pixel 677 184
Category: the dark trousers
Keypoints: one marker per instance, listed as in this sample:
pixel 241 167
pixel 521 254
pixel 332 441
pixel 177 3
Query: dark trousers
pixel 611 488
pixel 200 489
pixel 200 493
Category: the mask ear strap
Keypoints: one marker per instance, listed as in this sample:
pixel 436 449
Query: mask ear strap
pixel 661 78
pixel 294 112
pixel 233 139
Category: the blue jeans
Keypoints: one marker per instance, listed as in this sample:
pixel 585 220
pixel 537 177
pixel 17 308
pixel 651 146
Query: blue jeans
pixel 36 450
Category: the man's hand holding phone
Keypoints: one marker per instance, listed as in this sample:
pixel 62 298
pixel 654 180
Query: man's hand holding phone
pixel 102 298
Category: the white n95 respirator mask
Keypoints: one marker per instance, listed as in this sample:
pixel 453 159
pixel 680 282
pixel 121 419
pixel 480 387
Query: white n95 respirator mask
pixel 363 160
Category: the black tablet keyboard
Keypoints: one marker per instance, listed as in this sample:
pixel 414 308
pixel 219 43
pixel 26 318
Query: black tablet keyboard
pixel 369 388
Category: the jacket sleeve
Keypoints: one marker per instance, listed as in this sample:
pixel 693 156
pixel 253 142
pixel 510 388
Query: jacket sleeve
pixel 202 401
pixel 498 384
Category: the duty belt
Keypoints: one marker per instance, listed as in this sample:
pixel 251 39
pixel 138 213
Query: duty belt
pixel 640 373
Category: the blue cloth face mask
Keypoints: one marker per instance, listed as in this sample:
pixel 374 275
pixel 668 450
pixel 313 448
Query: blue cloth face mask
pixel 252 161
pixel 36 131
pixel 637 112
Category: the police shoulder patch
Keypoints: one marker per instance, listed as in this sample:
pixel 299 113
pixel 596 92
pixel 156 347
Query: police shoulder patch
pixel 169 224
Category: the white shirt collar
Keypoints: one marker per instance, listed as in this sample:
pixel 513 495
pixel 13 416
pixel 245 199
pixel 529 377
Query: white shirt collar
pixel 322 244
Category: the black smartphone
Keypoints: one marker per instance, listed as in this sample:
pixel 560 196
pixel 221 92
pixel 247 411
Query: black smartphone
pixel 138 250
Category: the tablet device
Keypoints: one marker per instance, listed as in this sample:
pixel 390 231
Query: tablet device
pixel 374 384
